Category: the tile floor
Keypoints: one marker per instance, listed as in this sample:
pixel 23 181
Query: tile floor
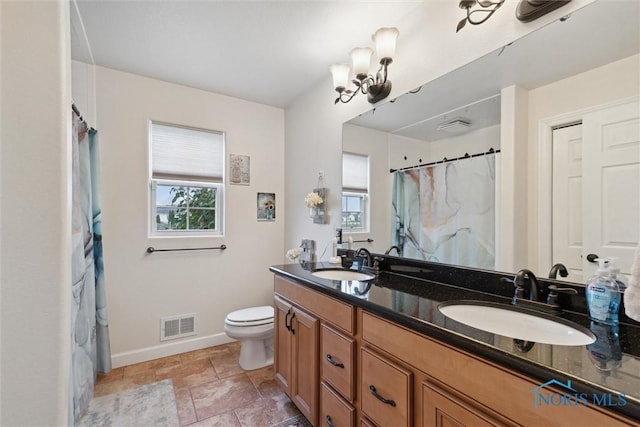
pixel 211 389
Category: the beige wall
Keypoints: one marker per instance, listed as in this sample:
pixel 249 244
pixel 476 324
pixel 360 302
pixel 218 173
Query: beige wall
pixel 599 86
pixel 36 215
pixel 373 143
pixel 478 141
pixel 413 149
pixel 142 288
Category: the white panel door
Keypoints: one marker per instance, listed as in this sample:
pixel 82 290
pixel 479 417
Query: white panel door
pixel 566 226
pixel 611 184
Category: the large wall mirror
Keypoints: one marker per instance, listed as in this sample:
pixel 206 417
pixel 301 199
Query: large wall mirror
pixel 568 69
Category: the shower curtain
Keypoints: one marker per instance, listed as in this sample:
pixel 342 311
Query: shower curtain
pixel 446 212
pixel 91 351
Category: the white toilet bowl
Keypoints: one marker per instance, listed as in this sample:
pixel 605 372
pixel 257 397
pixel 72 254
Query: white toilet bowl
pixel 253 327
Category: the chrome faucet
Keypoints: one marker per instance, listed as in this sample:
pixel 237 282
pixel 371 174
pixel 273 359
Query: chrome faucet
pixel 397 248
pixel 368 261
pixel 558 268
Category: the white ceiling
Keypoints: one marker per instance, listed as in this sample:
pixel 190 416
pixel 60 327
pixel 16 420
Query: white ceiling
pixel 264 51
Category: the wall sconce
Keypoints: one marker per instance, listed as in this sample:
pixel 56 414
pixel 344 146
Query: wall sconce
pixel 376 88
pixel 488 7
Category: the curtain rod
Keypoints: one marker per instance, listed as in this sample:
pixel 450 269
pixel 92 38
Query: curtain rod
pixel 445 160
pixel 75 110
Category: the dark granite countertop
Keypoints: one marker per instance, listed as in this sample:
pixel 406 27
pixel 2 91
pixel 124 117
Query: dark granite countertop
pixel 610 365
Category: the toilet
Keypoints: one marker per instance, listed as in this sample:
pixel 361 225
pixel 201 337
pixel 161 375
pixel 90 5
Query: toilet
pixel 253 327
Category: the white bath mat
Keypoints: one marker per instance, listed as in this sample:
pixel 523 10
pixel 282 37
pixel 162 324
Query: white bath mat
pixel 148 405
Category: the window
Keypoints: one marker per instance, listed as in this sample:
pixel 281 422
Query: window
pixel 355 192
pixel 187 180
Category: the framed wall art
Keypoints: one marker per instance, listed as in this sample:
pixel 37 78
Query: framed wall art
pixel 266 208
pixel 239 169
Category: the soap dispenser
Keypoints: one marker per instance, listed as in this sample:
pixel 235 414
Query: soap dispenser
pixel 620 279
pixel 603 295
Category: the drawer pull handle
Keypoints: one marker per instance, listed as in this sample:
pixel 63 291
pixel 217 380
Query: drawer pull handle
pixel 329 422
pixel 380 398
pixel 334 363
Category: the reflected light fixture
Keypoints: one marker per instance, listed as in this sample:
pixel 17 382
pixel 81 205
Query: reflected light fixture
pixel 487 7
pixel 376 88
pixel 529 10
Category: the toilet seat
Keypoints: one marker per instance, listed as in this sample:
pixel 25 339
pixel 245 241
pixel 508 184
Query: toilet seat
pixel 254 316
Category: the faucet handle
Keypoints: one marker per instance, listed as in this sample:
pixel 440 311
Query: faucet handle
pixel 554 288
pixel 519 290
pixel 554 291
pixel 376 262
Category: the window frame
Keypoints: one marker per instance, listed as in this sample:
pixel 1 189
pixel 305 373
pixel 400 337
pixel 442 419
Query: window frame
pixel 218 231
pixel 364 193
pixel 364 214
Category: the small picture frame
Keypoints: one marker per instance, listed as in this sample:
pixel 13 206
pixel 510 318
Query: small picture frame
pixel 239 169
pixel 266 207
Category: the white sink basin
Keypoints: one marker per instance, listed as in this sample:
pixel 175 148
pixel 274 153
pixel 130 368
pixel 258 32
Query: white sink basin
pixel 340 274
pixel 516 323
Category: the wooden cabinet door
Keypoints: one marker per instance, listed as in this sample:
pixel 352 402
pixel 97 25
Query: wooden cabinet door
pixel 305 382
pixel 443 409
pixel 282 361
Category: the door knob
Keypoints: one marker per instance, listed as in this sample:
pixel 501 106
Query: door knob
pixel 592 257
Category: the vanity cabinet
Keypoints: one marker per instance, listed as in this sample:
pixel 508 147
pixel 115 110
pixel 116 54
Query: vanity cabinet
pixel 454 388
pixel 296 356
pixel 314 341
pixel 345 366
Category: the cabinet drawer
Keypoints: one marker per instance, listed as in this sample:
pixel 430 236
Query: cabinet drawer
pixel 365 423
pixel 337 361
pixel 386 391
pixel 335 412
pixel 441 408
pixel 337 312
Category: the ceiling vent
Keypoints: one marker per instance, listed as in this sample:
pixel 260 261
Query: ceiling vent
pixel 459 124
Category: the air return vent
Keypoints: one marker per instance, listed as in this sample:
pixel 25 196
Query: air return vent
pixel 177 326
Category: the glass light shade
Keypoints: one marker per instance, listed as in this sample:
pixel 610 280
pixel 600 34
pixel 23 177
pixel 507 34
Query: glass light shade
pixel 385 40
pixel 340 73
pixel 361 60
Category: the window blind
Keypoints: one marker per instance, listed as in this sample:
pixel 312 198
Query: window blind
pixel 355 173
pixel 182 153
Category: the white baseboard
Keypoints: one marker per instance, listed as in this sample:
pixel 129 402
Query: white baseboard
pixel 169 349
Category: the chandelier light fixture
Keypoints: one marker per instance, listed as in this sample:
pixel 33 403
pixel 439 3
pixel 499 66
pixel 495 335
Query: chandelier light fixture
pixel 487 8
pixel 376 88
